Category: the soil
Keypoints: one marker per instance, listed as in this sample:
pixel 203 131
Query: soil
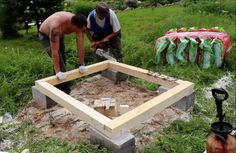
pixel 59 122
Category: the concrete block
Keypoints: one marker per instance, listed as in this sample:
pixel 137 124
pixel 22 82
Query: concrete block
pixel 184 104
pixel 110 74
pixel 123 144
pixel 42 99
pixel 162 89
pixel 114 75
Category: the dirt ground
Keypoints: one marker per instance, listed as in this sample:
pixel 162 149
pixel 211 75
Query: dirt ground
pixel 59 122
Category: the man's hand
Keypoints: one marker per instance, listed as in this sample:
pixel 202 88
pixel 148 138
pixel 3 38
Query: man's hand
pixel 93 46
pixel 61 75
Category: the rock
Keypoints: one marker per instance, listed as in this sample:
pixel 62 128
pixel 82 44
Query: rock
pixel 1 119
pixel 7 117
pixel 6 144
pixel 25 151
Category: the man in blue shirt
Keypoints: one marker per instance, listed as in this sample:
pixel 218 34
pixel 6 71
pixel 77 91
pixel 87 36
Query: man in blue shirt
pixel 106 30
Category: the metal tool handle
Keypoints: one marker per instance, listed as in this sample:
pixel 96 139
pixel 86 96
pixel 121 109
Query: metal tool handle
pixel 220 91
pixel 220 95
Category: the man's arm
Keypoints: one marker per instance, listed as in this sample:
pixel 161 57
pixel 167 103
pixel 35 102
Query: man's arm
pixel 54 43
pixel 89 35
pixel 115 27
pixel 92 43
pixel 80 47
pixel 107 38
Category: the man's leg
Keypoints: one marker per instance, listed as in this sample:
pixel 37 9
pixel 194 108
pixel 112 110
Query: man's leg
pixel 116 50
pixel 46 43
pixel 62 59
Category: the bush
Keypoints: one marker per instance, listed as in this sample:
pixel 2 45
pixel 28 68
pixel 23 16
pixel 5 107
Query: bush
pixel 221 7
pixel 83 7
pixel 8 19
pixel 131 3
pixel 117 5
pixel 162 2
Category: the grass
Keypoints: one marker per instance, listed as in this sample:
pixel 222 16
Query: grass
pixel 26 136
pixel 23 61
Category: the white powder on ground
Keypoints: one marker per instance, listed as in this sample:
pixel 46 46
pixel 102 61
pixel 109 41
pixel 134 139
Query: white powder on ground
pixel 224 82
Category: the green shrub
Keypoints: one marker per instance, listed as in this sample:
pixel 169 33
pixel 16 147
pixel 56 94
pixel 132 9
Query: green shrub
pixel 221 7
pixel 83 7
pixel 163 2
pixel 117 5
pixel 8 19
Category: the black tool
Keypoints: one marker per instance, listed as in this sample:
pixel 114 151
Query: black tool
pixel 221 128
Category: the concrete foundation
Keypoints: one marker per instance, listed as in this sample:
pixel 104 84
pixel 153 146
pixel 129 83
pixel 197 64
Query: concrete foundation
pixel 185 103
pixel 41 99
pixel 123 144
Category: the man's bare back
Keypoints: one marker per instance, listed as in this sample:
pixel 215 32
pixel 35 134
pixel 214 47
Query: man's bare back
pixel 59 21
pixel 52 32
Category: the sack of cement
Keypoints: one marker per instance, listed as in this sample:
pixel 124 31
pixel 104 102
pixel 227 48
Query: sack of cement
pixel 161 45
pixel 181 50
pixel 170 55
pixel 207 53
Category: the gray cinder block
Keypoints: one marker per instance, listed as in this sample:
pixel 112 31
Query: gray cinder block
pixel 162 89
pixel 114 75
pixel 123 144
pixel 42 99
pixel 185 103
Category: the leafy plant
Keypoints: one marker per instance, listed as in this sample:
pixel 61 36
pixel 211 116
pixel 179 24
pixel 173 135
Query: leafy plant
pixel 83 7
pixel 8 19
pixel 220 7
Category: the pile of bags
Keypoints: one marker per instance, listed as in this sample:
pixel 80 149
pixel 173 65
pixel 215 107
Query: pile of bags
pixel 205 47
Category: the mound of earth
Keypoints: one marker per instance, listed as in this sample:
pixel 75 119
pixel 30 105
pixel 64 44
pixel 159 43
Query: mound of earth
pixel 60 123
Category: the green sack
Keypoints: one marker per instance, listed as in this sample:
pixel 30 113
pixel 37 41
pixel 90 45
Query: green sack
pixel 181 50
pixel 192 48
pixel 207 53
pixel 160 47
pixel 218 50
pixel 170 55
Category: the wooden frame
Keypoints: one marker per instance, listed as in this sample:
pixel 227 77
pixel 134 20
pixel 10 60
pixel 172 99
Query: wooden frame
pixel 113 128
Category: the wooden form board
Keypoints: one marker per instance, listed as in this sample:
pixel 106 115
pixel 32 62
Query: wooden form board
pixel 113 128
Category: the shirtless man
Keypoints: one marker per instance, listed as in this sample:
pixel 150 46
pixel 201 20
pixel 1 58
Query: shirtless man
pixel 51 34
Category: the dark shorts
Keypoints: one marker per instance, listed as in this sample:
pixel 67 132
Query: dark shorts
pixel 46 44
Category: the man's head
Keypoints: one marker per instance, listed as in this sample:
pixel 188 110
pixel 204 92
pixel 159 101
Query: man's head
pixel 102 10
pixel 79 21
